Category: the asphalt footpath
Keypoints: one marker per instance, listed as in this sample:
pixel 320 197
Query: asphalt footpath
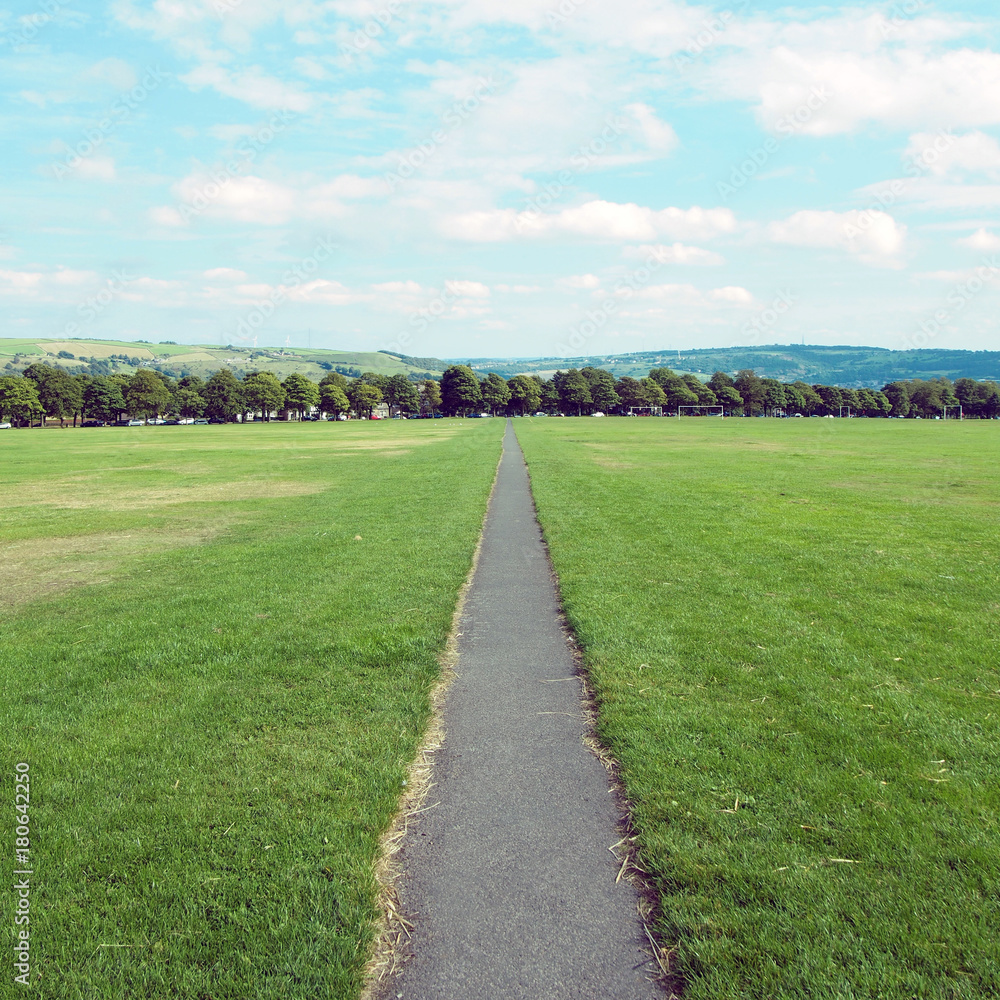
pixel 508 879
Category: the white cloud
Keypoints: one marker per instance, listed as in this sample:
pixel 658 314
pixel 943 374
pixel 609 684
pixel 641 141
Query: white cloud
pixel 734 294
pixel 467 289
pixel 659 135
pixel 96 168
pixel 252 86
pixel 943 153
pixel 580 282
pixel 678 253
pixel 874 237
pixel 224 274
pixel 598 220
pixel 981 240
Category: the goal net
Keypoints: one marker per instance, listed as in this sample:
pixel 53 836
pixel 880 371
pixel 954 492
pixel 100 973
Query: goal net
pixel 948 413
pixel 701 411
pixel 645 411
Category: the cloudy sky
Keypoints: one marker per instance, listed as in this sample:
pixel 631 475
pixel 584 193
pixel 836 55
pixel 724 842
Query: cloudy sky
pixel 483 178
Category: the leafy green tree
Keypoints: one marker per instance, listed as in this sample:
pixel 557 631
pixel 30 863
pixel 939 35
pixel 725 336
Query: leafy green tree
pixel 146 395
pixel 333 399
pixel 811 403
pixel 549 395
pixel 720 380
pixel 264 394
pixel 19 399
pixel 333 378
pixel 706 396
pixel 630 391
pixel 400 392
pixel 188 403
pixel 223 396
pixel 602 388
pixel 103 399
pixel 748 384
pixel 574 391
pixel 58 392
pixel 495 393
pixel 430 396
pixel 774 395
pixel 460 390
pixel 301 393
pixel 525 394
pixel 363 397
pixel 654 394
pixel 930 397
pixel 729 399
pixel 831 399
pixel 898 394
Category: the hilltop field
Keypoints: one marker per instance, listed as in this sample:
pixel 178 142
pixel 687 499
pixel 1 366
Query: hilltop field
pixel 102 357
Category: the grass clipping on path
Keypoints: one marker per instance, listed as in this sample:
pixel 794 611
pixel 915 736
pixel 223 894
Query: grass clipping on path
pixel 219 733
pixel 791 632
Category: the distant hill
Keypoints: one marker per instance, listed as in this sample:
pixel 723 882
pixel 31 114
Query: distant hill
pixel 105 356
pixel 846 366
pixel 852 367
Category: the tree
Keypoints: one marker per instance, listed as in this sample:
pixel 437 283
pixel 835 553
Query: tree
pixel 654 395
pixel 574 391
pixel 706 396
pixel 333 378
pixel 525 394
pixel 301 393
pixel 146 395
pixel 460 390
pixel 223 396
pixel 333 399
pixel 549 395
pixel 363 397
pixel 495 392
pixel 630 392
pixel 58 392
pixel 831 399
pixel 602 388
pixel 729 399
pixel 430 396
pixel 720 380
pixel 400 392
pixel 811 402
pixel 898 394
pixel 103 399
pixel 263 393
pixel 751 390
pixel 19 399
pixel 774 396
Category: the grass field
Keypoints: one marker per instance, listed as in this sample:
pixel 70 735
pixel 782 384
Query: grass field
pixel 792 631
pixel 218 644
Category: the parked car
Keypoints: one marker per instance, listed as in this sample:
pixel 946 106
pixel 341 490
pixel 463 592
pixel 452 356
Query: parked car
pixel 201 420
pixel 170 423
pixel 5 426
pixel 86 423
pixel 136 423
pixel 541 414
pixel 597 413
pixel 186 420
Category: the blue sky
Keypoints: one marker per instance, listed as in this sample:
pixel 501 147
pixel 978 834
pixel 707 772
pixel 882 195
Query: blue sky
pixel 488 178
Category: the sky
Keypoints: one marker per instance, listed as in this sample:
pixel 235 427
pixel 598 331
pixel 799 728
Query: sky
pixel 500 178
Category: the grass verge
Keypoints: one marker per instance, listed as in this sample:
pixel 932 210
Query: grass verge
pixel 791 628
pixel 218 731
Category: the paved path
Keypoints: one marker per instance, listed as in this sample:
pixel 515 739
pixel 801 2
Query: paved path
pixel 509 881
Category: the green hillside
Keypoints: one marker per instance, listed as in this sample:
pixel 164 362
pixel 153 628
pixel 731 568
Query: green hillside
pixel 104 356
pixel 853 367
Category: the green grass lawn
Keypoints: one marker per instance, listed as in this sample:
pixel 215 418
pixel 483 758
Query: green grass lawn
pixel 218 686
pixel 792 631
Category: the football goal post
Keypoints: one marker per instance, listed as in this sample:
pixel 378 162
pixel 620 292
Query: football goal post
pixel 717 411
pixel 945 409
pixel 645 411
pixel 845 408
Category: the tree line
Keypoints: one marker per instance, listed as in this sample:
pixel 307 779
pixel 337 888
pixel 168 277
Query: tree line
pixel 589 390
pixel 48 391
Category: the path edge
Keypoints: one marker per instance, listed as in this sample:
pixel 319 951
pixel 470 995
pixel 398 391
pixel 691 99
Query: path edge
pixel 627 851
pixel 391 927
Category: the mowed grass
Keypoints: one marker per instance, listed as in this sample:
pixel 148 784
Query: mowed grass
pixel 792 631
pixel 218 687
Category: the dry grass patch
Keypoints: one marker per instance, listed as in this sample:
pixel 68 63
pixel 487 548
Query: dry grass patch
pixel 36 568
pixel 72 494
